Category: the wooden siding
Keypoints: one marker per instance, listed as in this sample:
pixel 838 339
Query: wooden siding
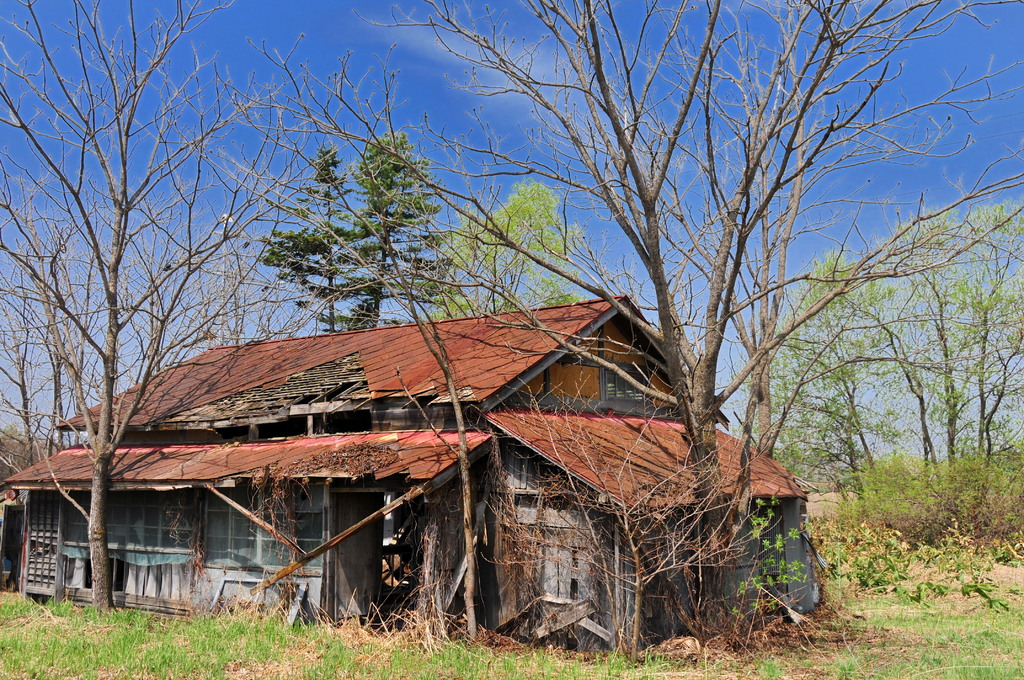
pixel 575 380
pixel 549 576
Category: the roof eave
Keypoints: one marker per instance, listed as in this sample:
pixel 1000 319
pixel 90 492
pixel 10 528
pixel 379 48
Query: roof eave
pixel 559 464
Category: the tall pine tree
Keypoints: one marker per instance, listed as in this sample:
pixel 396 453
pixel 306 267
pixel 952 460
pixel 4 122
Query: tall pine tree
pixel 358 227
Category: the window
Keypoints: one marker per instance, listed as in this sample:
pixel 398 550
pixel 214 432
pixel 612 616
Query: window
pixel 232 540
pixel 140 521
pixel 615 387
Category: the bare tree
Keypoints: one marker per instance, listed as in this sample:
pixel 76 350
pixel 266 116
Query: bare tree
pixel 120 195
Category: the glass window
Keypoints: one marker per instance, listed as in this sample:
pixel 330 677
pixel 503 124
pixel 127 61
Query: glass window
pixel 233 540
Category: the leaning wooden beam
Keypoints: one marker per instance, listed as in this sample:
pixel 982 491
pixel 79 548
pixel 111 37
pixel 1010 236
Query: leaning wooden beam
pixel 579 609
pixel 598 630
pixel 266 526
pixel 460 574
pixel 316 552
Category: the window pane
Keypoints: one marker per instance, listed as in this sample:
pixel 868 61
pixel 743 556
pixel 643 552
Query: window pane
pixel 136 535
pixel 153 515
pixel 218 524
pixel 616 386
pixel 77 528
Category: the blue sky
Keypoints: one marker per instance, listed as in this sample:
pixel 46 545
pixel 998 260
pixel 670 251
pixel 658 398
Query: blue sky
pixel 326 31
pixel 330 30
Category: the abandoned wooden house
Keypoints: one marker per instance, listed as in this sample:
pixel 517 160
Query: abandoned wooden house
pixel 246 458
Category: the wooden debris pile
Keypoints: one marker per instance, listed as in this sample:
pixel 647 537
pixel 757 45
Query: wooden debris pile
pixel 354 461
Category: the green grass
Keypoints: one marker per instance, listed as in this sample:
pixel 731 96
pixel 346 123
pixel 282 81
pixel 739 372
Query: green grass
pixel 948 638
pixel 770 669
pixel 61 641
pixel 952 637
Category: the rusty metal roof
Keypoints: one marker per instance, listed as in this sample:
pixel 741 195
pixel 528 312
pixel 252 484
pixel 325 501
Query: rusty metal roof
pixel 486 354
pixel 414 455
pixel 627 456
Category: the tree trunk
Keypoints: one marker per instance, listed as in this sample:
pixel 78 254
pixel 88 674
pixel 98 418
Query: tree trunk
pixel 712 503
pixel 926 435
pixel 99 552
pixel 981 385
pixel 851 404
pixel 765 431
pixel 715 527
pixel 469 581
pixel 332 323
pixel 636 635
pixel 440 354
pixel 952 410
pixel 949 388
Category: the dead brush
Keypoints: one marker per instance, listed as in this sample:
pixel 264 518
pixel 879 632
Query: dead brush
pixel 244 610
pixel 273 499
pixel 767 629
pixel 403 630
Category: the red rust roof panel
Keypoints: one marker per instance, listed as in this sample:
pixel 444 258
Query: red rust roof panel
pixel 626 456
pixel 486 354
pixel 419 455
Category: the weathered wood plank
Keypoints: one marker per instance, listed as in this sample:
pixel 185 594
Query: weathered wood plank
pixel 293 614
pixel 59 560
pixel 355 565
pixel 460 573
pixel 568 616
pixel 598 630
pixel 325 407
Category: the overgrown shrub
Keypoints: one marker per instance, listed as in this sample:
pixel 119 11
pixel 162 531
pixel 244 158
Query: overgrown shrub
pixel 878 559
pixel 926 503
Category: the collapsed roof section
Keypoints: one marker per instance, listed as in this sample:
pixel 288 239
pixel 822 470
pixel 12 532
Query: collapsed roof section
pixel 629 457
pixel 412 456
pixel 486 353
pixel 333 381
